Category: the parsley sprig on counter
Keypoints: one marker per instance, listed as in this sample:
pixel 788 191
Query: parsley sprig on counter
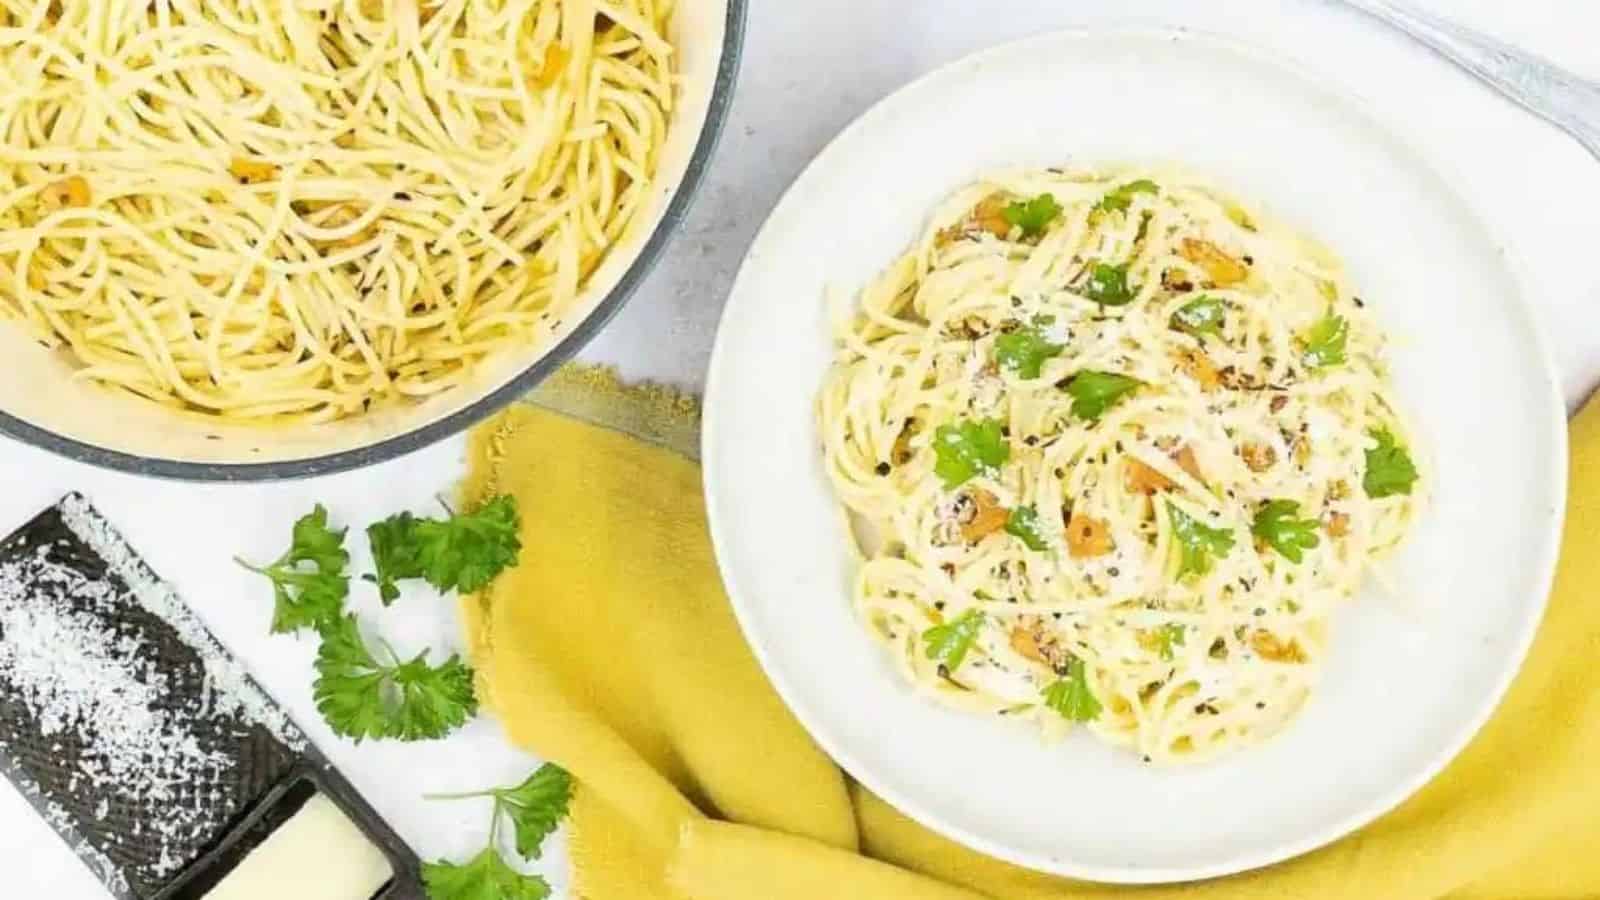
pixel 485 877
pixel 409 700
pixel 395 554
pixel 534 808
pixel 461 553
pixel 308 580
pixel 363 695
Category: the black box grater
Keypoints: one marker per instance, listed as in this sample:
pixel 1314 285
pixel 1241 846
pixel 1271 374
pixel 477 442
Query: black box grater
pixel 134 733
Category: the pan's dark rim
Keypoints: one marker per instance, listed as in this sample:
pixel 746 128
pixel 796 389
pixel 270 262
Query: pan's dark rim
pixel 483 407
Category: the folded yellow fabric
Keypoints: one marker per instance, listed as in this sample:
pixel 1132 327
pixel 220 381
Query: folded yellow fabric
pixel 612 650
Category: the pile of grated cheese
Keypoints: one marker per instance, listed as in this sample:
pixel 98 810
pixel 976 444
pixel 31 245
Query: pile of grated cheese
pixel 93 684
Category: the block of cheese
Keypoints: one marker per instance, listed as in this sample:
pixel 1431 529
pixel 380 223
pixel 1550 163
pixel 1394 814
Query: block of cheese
pixel 318 854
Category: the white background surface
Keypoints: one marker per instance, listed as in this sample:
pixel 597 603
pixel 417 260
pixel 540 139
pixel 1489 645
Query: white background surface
pixel 809 68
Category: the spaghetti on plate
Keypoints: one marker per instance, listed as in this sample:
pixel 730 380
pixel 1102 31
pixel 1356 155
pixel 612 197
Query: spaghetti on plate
pixel 1114 446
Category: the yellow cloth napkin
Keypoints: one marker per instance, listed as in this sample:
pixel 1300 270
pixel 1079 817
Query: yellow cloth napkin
pixel 612 650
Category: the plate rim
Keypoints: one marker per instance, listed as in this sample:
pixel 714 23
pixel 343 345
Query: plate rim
pixel 1521 303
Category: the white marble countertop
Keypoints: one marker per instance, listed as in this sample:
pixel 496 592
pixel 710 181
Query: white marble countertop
pixel 809 68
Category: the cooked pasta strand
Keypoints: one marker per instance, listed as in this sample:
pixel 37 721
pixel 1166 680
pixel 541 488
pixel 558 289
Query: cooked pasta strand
pixel 278 212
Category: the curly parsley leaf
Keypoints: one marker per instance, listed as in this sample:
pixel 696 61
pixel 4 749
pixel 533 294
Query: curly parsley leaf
pixel 1024 351
pixel 1108 285
pixel 303 599
pixel 1119 198
pixel 536 806
pixel 1325 342
pixel 433 700
pixel 308 580
pixel 363 698
pixel 968 449
pixel 350 685
pixel 948 644
pixel 467 550
pixel 485 877
pixel 1276 524
pixel 315 542
pixel 1033 216
pixel 1390 470
pixel 1023 524
pixel 1198 544
pixel 1167 637
pixel 1201 316
pixel 1095 392
pixel 1070 695
pixel 463 552
pixel 395 554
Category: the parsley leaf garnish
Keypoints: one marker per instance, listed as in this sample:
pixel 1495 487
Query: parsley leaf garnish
pixel 363 698
pixel 1239 216
pixel 394 552
pixel 1023 524
pixel 485 877
pixel 308 597
pixel 1095 392
pixel 1024 351
pixel 1070 695
pixel 1169 636
pixel 1198 543
pixel 1389 468
pixel 1276 524
pixel 468 550
pixel 535 807
pixel 948 644
pixel 1033 216
pixel 1119 198
pixel 1200 316
pixel 1325 342
pixel 1144 227
pixel 1108 285
pixel 965 450
pixel 464 552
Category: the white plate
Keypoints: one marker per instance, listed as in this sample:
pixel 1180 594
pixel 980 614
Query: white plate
pixel 1409 680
